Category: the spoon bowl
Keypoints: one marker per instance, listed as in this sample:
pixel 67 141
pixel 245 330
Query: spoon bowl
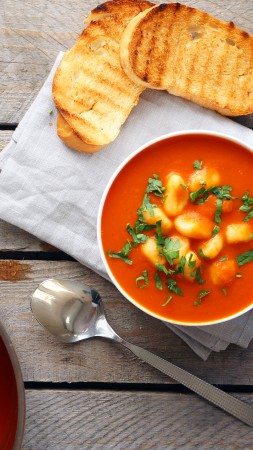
pixel 70 311
pixel 73 312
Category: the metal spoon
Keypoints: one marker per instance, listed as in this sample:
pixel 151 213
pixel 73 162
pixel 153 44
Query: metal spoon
pixel 73 312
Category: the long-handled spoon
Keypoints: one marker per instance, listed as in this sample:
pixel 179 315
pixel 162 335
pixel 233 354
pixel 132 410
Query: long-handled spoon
pixel 73 312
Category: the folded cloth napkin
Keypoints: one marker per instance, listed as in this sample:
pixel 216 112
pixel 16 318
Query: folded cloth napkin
pixel 54 192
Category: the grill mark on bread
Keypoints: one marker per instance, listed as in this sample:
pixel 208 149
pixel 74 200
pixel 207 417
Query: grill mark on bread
pixel 190 79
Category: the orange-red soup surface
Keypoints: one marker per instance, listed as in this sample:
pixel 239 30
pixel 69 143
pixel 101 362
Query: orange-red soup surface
pixel 235 167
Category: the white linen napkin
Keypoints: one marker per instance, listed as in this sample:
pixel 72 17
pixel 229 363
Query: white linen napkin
pixel 54 192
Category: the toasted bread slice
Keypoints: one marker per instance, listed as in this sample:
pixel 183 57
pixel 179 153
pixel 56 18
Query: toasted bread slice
pixel 191 54
pixel 91 91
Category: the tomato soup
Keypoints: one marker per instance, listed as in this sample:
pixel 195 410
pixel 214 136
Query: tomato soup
pixel 9 401
pixel 209 210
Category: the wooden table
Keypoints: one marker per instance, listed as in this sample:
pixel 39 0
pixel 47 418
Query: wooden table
pixel 95 395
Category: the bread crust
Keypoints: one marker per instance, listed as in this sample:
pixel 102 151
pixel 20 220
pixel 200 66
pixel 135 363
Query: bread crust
pixel 91 91
pixel 191 54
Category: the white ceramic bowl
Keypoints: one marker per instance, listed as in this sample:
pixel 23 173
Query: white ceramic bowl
pixel 101 206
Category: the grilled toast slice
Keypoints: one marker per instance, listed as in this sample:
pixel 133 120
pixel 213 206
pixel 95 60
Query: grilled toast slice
pixel 91 91
pixel 191 54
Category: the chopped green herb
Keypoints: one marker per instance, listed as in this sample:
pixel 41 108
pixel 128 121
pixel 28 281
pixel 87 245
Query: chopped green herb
pixel 191 263
pixel 159 236
pixel 180 267
pixel 223 258
pixel 216 230
pixel 201 295
pixel 202 254
pixel 162 268
pixel 221 192
pixel 155 186
pixel 198 277
pixel 224 291
pixel 217 217
pixel 167 301
pixel 249 216
pixel 238 275
pixel 173 287
pixel 51 112
pixel 183 186
pixel 197 194
pixel 171 249
pixel 247 206
pixel 244 258
pixel 144 278
pixel 164 198
pixel 197 165
pixel 147 206
pixel 139 227
pixel 137 238
pixel 122 254
pixel 158 281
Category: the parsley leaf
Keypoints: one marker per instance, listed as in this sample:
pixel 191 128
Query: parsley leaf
pixel 247 206
pixel 167 301
pixel 147 206
pixel 173 287
pixel 122 254
pixel 198 277
pixel 144 278
pixel 162 268
pixel 201 295
pixel 217 217
pixel 244 258
pixel 159 236
pixel 221 192
pixel 180 267
pixel 139 227
pixel 183 186
pixel 171 249
pixel 249 216
pixel 155 186
pixel 191 263
pixel 137 238
pixel 224 290
pixel 202 254
pixel 197 165
pixel 196 194
pixel 158 281
pixel 216 230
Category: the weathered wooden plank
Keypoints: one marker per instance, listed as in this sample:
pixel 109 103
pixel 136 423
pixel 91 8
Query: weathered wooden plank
pixel 32 35
pixel 44 359
pixel 101 420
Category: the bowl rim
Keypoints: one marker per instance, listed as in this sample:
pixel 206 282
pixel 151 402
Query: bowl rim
pixel 20 387
pixel 100 211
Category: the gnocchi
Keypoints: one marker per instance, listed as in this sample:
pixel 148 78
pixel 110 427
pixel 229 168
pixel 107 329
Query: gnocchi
pixel 166 224
pixel 238 232
pixel 151 251
pixel 208 176
pixel 177 195
pixel 212 247
pixel 223 272
pixel 194 225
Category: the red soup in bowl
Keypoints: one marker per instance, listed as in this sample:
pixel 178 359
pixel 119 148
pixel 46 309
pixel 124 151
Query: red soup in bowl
pixel 175 228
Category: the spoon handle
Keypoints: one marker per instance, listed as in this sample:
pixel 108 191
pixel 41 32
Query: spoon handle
pixel 228 403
